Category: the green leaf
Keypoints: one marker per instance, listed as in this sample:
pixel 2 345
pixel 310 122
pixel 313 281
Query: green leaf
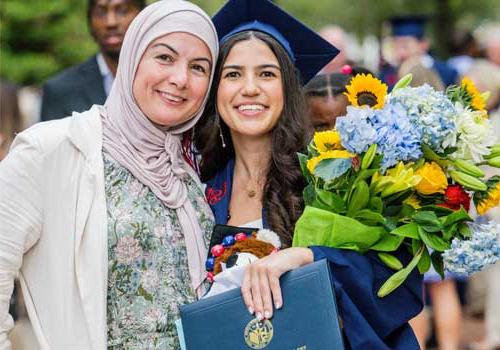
pixel 464 230
pixel 390 223
pixel 407 210
pixel 365 174
pixel 330 169
pixel 392 210
pixel 376 204
pixel 390 261
pixel 425 262
pixel 359 199
pixel 369 217
pixel 433 241
pixel 433 229
pixel 449 232
pixel 455 217
pixel 439 211
pixel 416 244
pixel 399 277
pixel 426 218
pixel 331 200
pixel 409 230
pixel 303 166
pixel 309 194
pixel 388 243
pixel 437 263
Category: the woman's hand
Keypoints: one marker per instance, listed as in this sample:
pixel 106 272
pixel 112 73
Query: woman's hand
pixel 261 285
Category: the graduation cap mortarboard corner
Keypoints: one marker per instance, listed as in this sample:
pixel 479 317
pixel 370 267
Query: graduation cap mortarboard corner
pixel 308 50
pixel 409 26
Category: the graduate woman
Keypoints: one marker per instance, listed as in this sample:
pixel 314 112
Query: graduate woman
pixel 249 137
pixel 100 215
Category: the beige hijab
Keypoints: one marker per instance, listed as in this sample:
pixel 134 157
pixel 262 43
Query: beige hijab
pixel 153 154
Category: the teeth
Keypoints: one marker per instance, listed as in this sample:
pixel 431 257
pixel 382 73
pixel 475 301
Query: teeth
pixel 251 108
pixel 171 97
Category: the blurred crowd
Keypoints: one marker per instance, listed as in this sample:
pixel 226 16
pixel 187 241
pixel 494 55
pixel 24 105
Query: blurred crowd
pixel 453 304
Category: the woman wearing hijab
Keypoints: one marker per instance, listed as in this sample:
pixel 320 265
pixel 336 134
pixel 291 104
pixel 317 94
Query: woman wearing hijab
pixel 248 138
pixel 100 215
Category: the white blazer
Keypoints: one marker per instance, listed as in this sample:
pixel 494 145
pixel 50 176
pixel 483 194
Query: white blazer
pixel 53 232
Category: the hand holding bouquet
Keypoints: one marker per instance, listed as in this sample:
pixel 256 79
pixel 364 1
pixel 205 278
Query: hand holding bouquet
pixel 399 172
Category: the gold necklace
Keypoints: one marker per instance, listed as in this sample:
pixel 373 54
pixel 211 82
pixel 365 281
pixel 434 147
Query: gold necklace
pixel 251 193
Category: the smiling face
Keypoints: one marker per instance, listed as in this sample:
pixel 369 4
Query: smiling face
pixel 172 78
pixel 250 94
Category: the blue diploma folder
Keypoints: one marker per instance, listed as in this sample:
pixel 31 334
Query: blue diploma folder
pixel 308 319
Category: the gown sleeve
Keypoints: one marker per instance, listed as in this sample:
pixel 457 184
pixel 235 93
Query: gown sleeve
pixel 371 322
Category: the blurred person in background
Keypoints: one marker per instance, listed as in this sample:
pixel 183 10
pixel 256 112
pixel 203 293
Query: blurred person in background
pixel 10 116
pixel 464 50
pixel 79 87
pixel 336 36
pixel 409 41
pixel 446 308
pixel 492 49
pixel 325 96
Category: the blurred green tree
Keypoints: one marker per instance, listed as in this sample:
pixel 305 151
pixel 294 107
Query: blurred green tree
pixel 39 38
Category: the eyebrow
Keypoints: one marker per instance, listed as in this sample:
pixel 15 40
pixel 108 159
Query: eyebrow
pixel 263 66
pixel 175 52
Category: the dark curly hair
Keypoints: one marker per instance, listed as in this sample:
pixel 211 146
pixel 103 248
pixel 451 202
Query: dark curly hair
pixel 282 198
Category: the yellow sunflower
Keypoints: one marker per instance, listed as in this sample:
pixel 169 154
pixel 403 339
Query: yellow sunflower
pixel 366 90
pixel 491 201
pixel 477 101
pixel 313 162
pixel 327 140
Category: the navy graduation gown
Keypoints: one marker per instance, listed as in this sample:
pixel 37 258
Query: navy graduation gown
pixel 369 322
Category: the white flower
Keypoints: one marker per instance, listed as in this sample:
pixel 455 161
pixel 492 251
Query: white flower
pixel 149 280
pixel 475 134
pixel 127 250
pixel 269 237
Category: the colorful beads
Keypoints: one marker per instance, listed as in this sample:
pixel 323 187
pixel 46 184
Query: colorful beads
pixel 209 265
pixel 240 237
pixel 228 241
pixel 217 250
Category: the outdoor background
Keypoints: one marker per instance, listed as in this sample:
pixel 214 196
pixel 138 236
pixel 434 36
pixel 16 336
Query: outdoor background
pixel 39 38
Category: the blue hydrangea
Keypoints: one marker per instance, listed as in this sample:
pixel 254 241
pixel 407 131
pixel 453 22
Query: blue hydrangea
pixel 468 256
pixel 356 131
pixel 390 128
pixel 397 138
pixel 430 111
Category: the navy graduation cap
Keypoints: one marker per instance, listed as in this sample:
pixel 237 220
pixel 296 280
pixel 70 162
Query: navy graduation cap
pixel 409 26
pixel 308 50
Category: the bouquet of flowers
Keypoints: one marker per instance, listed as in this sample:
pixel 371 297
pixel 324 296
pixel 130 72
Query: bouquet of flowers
pixel 399 171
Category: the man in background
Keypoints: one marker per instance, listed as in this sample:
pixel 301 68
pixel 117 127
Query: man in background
pixel 79 87
pixel 409 42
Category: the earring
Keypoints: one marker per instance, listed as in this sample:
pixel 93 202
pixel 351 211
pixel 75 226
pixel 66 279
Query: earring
pixel 220 131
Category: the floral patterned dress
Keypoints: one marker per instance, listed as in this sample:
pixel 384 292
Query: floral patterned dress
pixel 148 275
